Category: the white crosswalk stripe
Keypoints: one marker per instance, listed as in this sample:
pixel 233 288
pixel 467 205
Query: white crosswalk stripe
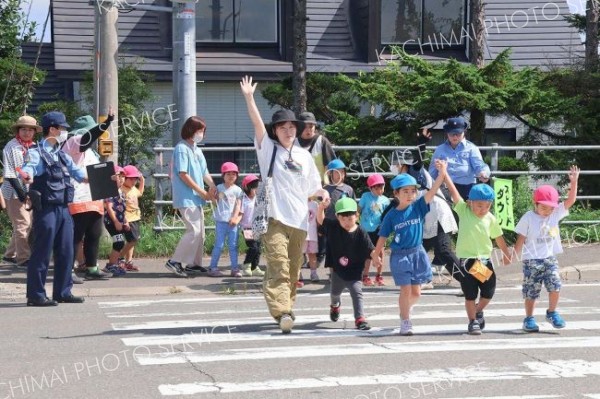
pixel 196 331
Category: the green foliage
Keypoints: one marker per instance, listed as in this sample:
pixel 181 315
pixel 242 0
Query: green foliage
pixel 13 29
pixel 138 128
pixel 69 108
pixel 15 82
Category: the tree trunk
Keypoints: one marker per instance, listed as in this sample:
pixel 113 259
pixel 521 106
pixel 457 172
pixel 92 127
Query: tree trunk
pixel 476 56
pixel 299 60
pixel 591 35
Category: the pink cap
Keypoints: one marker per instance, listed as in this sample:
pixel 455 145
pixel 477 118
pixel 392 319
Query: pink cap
pixel 546 195
pixel 119 170
pixel 374 180
pixel 229 167
pixel 249 179
pixel 131 171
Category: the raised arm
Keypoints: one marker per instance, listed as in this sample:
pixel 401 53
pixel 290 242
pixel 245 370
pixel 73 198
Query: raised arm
pixel 441 166
pixel 248 89
pixel 452 189
pixel 573 177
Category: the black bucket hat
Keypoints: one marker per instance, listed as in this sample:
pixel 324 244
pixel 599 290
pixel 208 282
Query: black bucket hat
pixel 307 117
pixel 283 115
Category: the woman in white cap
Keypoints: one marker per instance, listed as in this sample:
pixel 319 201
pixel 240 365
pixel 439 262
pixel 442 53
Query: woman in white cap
pixel 13 191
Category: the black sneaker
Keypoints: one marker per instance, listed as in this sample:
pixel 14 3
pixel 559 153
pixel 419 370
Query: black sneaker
pixel 195 269
pixel 70 299
pixel 41 302
pixel 334 312
pixel 175 267
pixel 474 328
pixel 480 319
pixel 9 260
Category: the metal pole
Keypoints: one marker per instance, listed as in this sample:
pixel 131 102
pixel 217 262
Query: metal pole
pixel 184 63
pixel 108 79
pixel 494 162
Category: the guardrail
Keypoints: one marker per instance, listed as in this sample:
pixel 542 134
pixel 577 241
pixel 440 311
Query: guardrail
pixel 162 178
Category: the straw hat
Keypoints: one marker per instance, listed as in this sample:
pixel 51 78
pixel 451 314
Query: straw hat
pixel 26 121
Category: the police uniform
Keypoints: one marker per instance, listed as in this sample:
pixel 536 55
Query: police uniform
pixel 50 193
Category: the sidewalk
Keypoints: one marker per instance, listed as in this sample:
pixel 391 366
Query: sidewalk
pixel 578 264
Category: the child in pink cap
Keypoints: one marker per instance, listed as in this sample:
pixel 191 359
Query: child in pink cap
pixel 537 244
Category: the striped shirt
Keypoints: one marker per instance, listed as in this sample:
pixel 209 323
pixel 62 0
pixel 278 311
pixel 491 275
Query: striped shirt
pixel 13 156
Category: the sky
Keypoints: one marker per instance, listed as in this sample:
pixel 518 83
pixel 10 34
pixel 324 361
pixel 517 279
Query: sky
pixel 39 10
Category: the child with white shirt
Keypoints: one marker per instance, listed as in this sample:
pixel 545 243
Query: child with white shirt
pixel 538 244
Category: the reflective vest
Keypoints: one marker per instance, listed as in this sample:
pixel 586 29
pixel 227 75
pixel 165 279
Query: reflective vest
pixel 55 185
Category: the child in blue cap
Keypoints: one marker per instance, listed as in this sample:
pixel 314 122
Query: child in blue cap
pixel 409 263
pixel 476 229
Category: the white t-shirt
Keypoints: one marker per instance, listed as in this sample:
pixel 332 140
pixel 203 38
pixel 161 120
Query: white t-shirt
pixel 542 235
pixel 312 234
pixel 293 182
pixel 247 212
pixel 81 159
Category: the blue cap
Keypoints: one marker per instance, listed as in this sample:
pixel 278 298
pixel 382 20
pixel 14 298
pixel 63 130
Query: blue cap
pixel 54 118
pixel 455 125
pixel 403 180
pixel 482 192
pixel 336 164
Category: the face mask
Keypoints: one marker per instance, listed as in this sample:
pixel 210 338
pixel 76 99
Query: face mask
pixel 198 138
pixel 64 135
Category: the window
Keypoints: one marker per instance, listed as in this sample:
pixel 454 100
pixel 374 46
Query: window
pixel 406 22
pixel 237 21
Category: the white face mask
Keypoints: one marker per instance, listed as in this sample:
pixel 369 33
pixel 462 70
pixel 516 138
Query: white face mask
pixel 64 135
pixel 198 137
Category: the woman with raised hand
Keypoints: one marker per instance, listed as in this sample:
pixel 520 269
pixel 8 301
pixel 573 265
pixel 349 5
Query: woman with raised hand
pixel 295 178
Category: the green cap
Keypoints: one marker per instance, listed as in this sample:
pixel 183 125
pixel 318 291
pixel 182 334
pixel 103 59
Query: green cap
pixel 346 204
pixel 83 124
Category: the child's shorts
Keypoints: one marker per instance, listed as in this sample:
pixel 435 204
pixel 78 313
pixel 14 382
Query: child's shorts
pixel 311 247
pixel 538 271
pixel 134 232
pixel 472 287
pixel 374 236
pixel 410 266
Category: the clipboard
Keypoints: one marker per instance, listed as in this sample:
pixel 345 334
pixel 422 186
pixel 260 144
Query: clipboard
pixel 102 185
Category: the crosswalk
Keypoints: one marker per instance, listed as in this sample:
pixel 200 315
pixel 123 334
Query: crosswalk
pixel 328 359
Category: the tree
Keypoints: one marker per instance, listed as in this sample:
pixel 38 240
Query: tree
pixel 19 80
pixel 299 60
pixel 139 128
pixel 591 35
pixel 476 46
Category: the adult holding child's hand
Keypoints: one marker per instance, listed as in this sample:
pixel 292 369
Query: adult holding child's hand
pixel 465 164
pixel 295 178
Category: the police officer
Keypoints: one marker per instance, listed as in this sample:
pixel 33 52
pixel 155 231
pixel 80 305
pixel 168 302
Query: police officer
pixel 49 170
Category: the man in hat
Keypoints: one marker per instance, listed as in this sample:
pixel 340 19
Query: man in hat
pixel 13 191
pixel 318 145
pixel 465 164
pixel 48 170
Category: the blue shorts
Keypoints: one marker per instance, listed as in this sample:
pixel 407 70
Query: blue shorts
pixel 410 266
pixel 538 271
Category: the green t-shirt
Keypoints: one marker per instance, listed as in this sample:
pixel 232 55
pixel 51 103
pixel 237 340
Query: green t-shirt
pixel 474 234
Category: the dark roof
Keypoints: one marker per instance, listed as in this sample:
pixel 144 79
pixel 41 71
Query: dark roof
pixel 53 87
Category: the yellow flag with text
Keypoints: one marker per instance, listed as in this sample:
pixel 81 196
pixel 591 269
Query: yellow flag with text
pixel 503 205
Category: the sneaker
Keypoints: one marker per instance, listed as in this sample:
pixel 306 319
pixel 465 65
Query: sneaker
pixel 236 273
pixel 286 323
pixel 379 280
pixel 361 324
pixel 406 327
pixel 427 286
pixel 480 319
pixel 258 272
pixel 99 275
pixel 130 267
pixel 474 327
pixel 115 270
pixel 367 281
pixel 314 277
pixel 247 270
pixel 175 267
pixel 76 279
pixel 555 319
pixel 334 312
pixel 529 324
pixel 80 268
pixel 215 273
pixel 10 260
pixel 195 269
pixel 299 284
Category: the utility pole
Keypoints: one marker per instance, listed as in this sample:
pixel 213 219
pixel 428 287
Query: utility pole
pixel 184 63
pixel 106 75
